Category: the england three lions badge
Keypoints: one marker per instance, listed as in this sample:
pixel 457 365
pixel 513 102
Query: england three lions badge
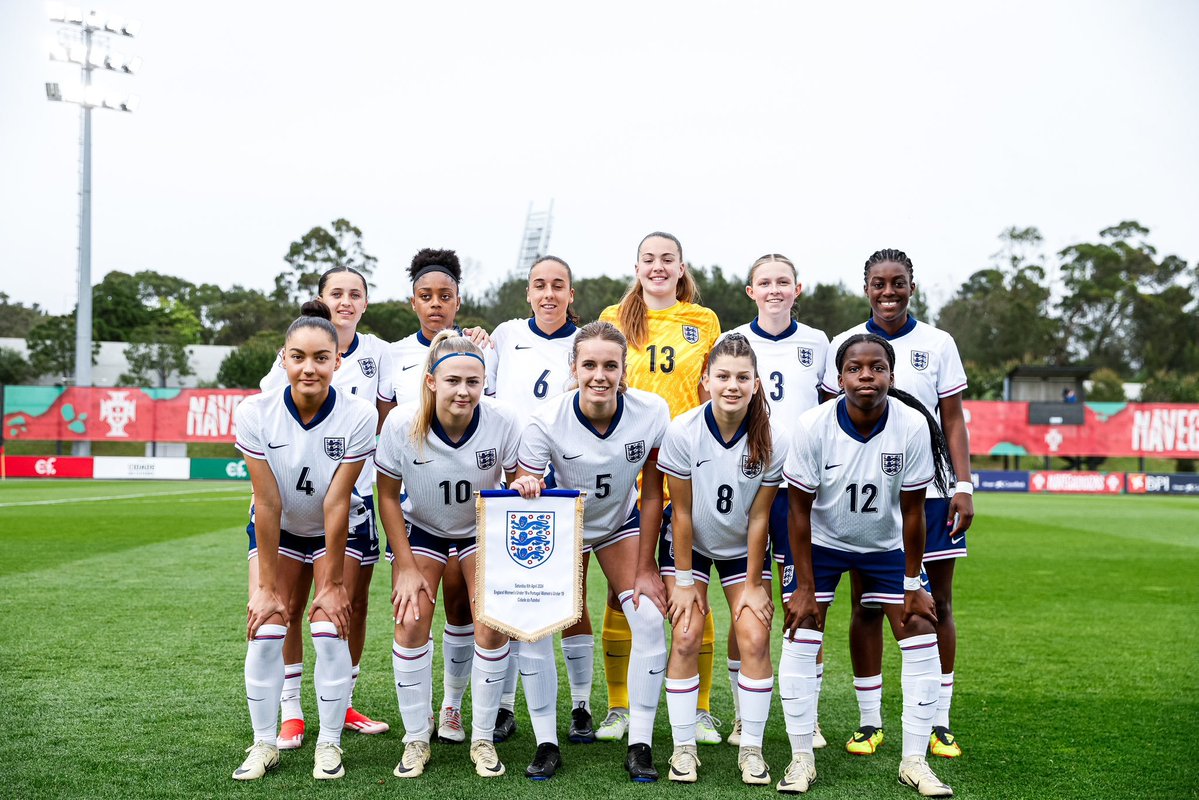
pixel 530 537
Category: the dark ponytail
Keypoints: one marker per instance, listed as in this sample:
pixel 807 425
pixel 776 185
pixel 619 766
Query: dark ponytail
pixel 942 465
pixel 314 314
pixel 758 435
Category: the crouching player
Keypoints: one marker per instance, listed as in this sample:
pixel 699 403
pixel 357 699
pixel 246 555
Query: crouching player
pixel 857 470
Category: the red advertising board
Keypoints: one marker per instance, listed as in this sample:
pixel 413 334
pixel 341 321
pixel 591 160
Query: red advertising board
pixel 47 467
pixel 1077 482
pixel 1160 430
pixel 51 413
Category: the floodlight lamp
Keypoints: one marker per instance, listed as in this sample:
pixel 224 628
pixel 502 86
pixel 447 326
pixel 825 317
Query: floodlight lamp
pixel 53 92
pixel 132 66
pixel 131 28
pixel 94 21
pixel 114 24
pixel 130 103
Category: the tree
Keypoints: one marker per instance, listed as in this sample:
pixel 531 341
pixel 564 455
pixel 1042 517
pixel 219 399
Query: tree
pixel 390 320
pixel 17 319
pixel 1106 282
pixel 1170 387
pixel 724 295
pixel 235 315
pixel 1001 315
pixel 593 295
pixel 159 350
pixel 1106 387
pixel 14 369
pixel 832 308
pixel 245 366
pixel 117 308
pixel 51 345
pixel 317 251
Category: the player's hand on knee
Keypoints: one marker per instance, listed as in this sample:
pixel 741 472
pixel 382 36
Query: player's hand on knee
pixel 335 603
pixel 757 600
pixel 801 609
pixel 919 603
pixel 405 595
pixel 262 606
pixel 648 584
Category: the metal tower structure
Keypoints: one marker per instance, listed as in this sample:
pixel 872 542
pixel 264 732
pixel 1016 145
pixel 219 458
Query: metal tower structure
pixel 535 241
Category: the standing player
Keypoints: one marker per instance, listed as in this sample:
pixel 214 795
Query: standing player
pixel 528 365
pixel 857 471
pixel 441 451
pixel 365 372
pixel 791 359
pixel 436 297
pixel 669 336
pixel 597 439
pixel 928 367
pixel 723 464
pixel 304 447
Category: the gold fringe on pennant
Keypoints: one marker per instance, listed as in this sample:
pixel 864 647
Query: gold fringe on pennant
pixel 481 578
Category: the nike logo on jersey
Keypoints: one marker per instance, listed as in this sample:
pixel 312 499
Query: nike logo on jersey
pixel 831 466
pixel 524 347
pixel 418 463
pixel 410 366
pixel 957 539
pixel 570 458
pixel 277 446
pixel 700 463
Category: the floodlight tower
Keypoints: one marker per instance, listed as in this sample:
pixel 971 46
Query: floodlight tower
pixel 78 43
pixel 536 239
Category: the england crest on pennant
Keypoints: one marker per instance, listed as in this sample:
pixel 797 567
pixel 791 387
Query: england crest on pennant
pixel 335 447
pixel 920 360
pixel 529 537
pixel 368 366
pixel 635 451
pixel 485 458
pixel 892 463
pixel 805 356
pixel 691 333
pixel 750 469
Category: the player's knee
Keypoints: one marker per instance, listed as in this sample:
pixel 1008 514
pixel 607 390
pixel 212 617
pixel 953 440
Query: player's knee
pixel 866 616
pixel 686 642
pixel 918 626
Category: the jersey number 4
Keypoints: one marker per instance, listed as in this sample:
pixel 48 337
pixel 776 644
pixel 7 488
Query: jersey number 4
pixel 304 484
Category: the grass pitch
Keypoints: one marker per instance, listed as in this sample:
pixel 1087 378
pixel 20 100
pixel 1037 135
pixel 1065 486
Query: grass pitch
pixel 122 650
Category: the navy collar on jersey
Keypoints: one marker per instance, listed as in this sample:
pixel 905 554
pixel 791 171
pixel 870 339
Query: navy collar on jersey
pixel 871 327
pixel 586 423
pixel 847 424
pixel 756 328
pixel 424 340
pixel 325 410
pixel 714 429
pixel 471 427
pixel 566 330
pixel 353 346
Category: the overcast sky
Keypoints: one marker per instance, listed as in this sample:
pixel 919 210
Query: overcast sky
pixel 823 131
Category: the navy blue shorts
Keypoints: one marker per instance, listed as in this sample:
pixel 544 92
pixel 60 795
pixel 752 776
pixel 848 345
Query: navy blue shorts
pixel 731 570
pixel 938 545
pixel 881 574
pixel 438 548
pixel 630 529
pixel 780 544
pixel 362 542
pixel 305 549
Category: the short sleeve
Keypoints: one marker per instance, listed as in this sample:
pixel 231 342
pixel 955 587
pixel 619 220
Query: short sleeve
pixel 801 468
pixel 362 439
pixel 508 458
pixel 611 314
pixel 778 458
pixel 385 391
pixel 918 456
pixel 952 378
pixel 534 453
pixel 661 422
pixel 248 421
pixel 712 328
pixel 674 456
pixel 491 359
pixel 389 456
pixel 822 353
pixel 828 375
pixel 276 376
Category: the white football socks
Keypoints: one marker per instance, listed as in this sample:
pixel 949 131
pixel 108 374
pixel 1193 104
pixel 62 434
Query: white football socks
pixel 458 652
pixel 332 679
pixel 289 699
pixel 755 696
pixel 579 654
pixel 734 672
pixel 920 677
pixel 647 666
pixel 539 674
pixel 682 699
pixel 797 687
pixel 944 700
pixel 413 671
pixel 486 686
pixel 264 680
pixel 870 700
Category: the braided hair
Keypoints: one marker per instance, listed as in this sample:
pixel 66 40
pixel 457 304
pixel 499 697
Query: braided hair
pixel 942 466
pixel 883 256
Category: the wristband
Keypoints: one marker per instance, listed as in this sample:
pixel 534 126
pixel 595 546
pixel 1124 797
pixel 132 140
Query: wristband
pixel 684 577
pixel 965 487
pixel 911 584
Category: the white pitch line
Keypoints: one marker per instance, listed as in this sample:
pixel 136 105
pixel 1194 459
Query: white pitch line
pixel 63 500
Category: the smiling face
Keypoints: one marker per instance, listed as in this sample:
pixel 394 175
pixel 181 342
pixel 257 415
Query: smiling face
pixel 889 288
pixel 310 358
pixel 457 385
pixel 865 375
pixel 436 301
pixel 773 287
pixel 599 368
pixel 345 295
pixel 731 382
pixel 659 268
pixel 549 294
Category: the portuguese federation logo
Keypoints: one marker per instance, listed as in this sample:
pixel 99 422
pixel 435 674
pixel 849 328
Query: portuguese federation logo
pixel 892 463
pixel 529 537
pixel 335 447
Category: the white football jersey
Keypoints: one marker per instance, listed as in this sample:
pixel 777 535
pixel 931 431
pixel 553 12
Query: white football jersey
pixel 927 364
pixel 408 357
pixel 365 372
pixel 857 480
pixel 723 482
pixel 605 466
pixel 440 476
pixel 528 367
pixel 303 457
pixel 790 366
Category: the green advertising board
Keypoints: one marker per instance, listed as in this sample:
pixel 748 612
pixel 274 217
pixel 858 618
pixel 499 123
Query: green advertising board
pixel 219 469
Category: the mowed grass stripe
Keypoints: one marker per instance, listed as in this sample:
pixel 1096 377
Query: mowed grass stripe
pixel 1072 683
